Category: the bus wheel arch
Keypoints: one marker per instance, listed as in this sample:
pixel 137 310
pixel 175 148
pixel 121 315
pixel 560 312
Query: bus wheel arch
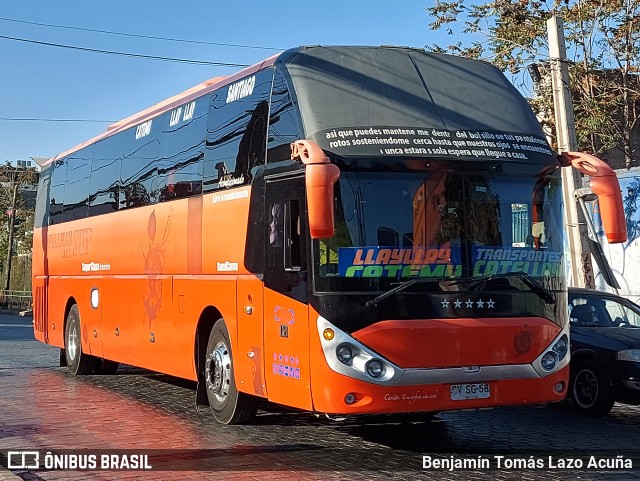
pixel 216 379
pixel 207 319
pixel 63 357
pixel 78 362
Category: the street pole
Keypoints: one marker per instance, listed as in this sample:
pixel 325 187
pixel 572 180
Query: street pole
pixel 12 218
pixel 581 269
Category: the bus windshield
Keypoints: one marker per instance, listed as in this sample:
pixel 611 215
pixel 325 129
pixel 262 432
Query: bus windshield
pixel 395 226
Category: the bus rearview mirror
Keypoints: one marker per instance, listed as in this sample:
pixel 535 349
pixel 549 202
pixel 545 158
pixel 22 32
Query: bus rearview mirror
pixel 320 175
pixel 604 183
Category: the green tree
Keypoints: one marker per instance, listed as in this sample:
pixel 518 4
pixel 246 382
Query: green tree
pixel 603 41
pixel 19 181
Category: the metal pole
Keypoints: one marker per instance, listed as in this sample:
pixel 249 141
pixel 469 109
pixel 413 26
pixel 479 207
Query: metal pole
pixel 12 218
pixel 581 270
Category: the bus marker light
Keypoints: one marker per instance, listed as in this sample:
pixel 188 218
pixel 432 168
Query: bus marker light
pixel 350 398
pixel 95 298
pixel 328 334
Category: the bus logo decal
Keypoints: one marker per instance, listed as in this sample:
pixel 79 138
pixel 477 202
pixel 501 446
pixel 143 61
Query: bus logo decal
pixel 287 316
pixel 227 266
pixel 285 366
pixel 143 129
pixel 241 89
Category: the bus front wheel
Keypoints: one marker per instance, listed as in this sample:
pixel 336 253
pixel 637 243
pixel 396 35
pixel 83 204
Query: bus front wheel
pixel 227 404
pixel 78 362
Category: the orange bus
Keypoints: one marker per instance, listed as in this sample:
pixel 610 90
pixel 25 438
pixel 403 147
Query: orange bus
pixel 344 230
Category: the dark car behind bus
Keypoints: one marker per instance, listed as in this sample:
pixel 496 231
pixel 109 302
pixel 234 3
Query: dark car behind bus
pixel 605 351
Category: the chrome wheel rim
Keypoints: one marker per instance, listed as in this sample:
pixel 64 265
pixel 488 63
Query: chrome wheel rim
pixel 72 340
pixel 585 389
pixel 218 372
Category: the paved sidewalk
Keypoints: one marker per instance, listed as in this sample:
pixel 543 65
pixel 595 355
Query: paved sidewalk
pixel 43 407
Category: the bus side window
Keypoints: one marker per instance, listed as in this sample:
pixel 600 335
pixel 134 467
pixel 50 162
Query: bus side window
pixel 292 254
pixel 104 185
pixel 56 193
pixel 76 189
pixel 276 233
pixel 139 167
pixel 283 121
pixel 180 168
pixel 236 131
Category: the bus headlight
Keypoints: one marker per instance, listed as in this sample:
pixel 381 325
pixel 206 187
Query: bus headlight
pixel 549 361
pixel 560 347
pixel 375 368
pixel 344 354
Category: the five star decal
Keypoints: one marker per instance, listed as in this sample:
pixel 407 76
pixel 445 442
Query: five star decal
pixel 468 304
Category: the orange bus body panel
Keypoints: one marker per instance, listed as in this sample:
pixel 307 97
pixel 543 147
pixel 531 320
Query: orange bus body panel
pixel 156 268
pixel 330 388
pixel 455 342
pixel 286 345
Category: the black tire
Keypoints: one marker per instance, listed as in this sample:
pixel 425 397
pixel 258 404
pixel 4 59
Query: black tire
pixel 104 366
pixel 227 404
pixel 590 389
pixel 78 362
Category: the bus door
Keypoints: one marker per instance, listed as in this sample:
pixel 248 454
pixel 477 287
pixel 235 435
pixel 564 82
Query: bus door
pixel 286 312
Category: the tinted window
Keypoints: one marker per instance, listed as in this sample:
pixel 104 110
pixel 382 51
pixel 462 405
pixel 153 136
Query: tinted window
pixel 236 131
pixel 42 208
pixel 139 163
pixel 283 121
pixel 56 192
pixel 592 310
pixel 104 184
pixel 180 170
pixel 76 187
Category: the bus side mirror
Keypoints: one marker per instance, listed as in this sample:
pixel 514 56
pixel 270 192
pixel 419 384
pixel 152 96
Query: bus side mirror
pixel 320 176
pixel 604 183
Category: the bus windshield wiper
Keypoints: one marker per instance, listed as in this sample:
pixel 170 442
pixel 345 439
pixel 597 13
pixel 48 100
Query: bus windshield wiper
pixel 400 287
pixel 535 286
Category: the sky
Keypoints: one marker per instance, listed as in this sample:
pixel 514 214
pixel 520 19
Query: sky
pixel 46 82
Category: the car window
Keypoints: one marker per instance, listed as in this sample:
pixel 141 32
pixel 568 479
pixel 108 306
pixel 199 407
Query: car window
pixel 632 316
pixel 595 311
pixel 590 311
pixel 616 311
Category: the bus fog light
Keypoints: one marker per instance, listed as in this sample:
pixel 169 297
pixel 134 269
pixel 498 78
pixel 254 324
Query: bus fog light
pixel 344 354
pixel 558 387
pixel 375 368
pixel 350 398
pixel 549 361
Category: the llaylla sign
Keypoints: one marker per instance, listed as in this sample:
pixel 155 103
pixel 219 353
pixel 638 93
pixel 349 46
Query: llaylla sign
pixel 440 262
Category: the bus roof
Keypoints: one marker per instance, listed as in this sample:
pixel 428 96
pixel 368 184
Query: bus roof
pixel 167 104
pixel 404 91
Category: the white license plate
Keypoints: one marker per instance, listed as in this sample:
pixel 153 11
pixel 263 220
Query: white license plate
pixel 460 392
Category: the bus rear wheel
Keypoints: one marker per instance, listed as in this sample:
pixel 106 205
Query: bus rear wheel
pixel 227 404
pixel 78 362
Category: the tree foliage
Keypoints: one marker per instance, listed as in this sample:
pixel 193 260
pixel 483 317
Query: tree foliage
pixel 603 44
pixel 22 215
